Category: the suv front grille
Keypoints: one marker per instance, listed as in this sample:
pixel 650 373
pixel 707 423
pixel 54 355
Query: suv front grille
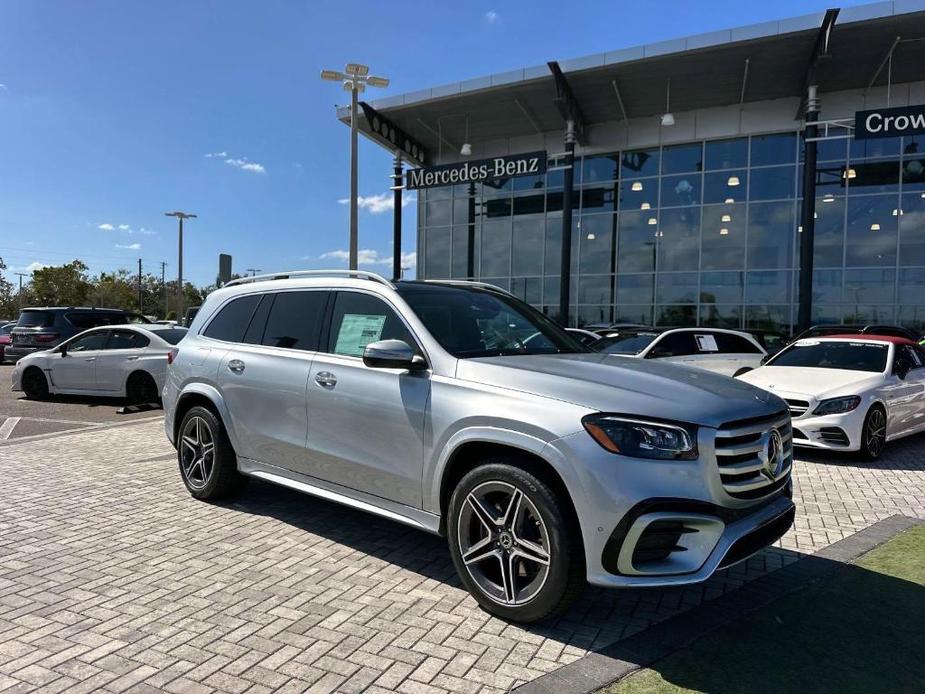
pixel 742 452
pixel 797 407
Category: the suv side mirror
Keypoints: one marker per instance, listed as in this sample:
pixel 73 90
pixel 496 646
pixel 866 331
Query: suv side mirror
pixel 392 354
pixel 63 350
pixel 764 359
pixel 901 368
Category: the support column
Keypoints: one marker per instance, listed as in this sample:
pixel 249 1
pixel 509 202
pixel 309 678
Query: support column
pixel 470 235
pixel 396 219
pixel 565 272
pixel 808 210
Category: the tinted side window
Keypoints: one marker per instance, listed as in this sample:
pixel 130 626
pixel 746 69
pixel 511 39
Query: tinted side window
pixel 295 320
pixel 127 339
pixel 254 333
pixel 232 320
pixel 733 344
pixel 675 345
pixel 36 319
pixel 918 355
pixel 87 320
pixel 90 342
pixel 359 319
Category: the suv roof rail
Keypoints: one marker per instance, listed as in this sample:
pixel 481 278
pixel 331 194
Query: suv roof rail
pixel 470 283
pixel 361 274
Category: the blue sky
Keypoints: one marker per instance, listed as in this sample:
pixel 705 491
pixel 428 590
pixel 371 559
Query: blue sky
pixel 109 110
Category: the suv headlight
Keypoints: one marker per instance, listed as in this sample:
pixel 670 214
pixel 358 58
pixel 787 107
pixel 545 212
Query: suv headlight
pixel 837 405
pixel 639 438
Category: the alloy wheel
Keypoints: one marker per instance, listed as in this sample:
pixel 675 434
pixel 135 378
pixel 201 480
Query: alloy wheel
pixel 876 432
pixel 503 543
pixel 197 452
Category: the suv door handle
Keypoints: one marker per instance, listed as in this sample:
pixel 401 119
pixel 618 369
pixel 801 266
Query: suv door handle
pixel 325 379
pixel 236 366
pixel 131 359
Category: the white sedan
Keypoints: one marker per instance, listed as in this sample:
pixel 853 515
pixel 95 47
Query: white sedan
pixel 116 361
pixel 727 352
pixel 849 392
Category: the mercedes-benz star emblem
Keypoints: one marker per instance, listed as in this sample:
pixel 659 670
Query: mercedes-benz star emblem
pixel 775 455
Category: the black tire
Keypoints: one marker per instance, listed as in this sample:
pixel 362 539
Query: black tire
pixel 556 533
pixel 743 370
pixel 35 384
pixel 216 476
pixel 141 389
pixel 873 435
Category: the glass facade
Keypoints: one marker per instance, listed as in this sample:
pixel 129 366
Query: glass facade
pixel 703 233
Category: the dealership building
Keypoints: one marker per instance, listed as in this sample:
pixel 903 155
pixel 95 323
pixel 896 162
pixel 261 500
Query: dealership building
pixel 687 182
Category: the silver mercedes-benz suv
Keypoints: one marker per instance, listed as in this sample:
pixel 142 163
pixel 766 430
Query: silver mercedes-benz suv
pixel 458 409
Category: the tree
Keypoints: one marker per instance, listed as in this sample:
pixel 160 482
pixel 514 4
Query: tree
pixel 114 290
pixel 9 302
pixel 61 285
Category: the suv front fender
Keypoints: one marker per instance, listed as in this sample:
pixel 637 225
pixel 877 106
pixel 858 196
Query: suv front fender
pixel 210 393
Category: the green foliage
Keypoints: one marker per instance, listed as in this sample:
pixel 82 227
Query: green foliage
pixel 61 285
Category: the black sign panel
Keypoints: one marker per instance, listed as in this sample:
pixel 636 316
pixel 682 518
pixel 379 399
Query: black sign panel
pixel 393 136
pixel 530 164
pixel 889 122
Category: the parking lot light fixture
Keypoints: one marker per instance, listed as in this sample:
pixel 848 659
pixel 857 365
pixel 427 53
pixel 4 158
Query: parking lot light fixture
pixel 355 77
pixel 180 217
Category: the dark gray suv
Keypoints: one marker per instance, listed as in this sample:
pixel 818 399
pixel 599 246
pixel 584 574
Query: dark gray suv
pixel 44 328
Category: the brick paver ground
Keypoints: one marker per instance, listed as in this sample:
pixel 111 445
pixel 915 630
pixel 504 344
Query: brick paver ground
pixel 113 579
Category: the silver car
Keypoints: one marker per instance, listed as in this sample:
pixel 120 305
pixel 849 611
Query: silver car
pixel 458 409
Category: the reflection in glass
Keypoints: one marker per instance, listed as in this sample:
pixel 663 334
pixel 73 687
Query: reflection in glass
pixel 679 239
pixel 639 195
pixel 677 288
pixel 723 242
pixel 768 317
pixel 721 186
pixel 439 213
pixel 872 177
pixel 877 147
pixel 527 249
pixel 595 289
pixel 590 315
pixel 771 227
pixel 461 251
pixel 912 230
pixel 912 317
pixel 530 289
pixel 721 316
pixel 604 167
pixel 871 233
pixel 913 174
pixel 682 158
pixel 726 154
pixel 677 316
pixel 495 249
pixel 636 289
pixel 629 313
pixel 771 287
pixel 553 254
pixel 869 286
pixel 680 190
pixel 773 149
pixel 595 241
pixel 721 288
pixel 639 163
pixel 829 237
pixel 774 183
pixel 599 198
pixel 636 247
pixel 437 253
pixel 827 286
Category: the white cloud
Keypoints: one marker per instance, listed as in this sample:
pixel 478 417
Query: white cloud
pixel 368 256
pixel 124 227
pixel 377 204
pixel 30 268
pixel 242 163
pixel 106 227
pixel 246 165
pixel 129 247
pixel 147 232
pixel 492 17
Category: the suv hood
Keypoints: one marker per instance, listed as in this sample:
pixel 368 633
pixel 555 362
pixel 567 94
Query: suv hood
pixel 611 383
pixel 811 383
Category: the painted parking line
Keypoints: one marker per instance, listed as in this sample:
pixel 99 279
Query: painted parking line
pixel 6 441
pixel 7 427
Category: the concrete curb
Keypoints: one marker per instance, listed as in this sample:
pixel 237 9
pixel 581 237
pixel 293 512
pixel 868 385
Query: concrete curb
pixel 597 670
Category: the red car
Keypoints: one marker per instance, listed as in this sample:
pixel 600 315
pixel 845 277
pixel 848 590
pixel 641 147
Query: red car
pixel 5 338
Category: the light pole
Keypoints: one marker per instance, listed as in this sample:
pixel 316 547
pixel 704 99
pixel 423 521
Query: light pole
pixel 253 271
pixel 180 216
pixel 355 77
pixel 19 296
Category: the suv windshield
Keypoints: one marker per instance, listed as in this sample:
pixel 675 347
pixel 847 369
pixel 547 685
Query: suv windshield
pixel 35 319
pixel 851 356
pixel 625 343
pixel 475 322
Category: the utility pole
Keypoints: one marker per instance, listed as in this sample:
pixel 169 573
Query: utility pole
pixel 19 296
pixel 140 300
pixel 180 217
pixel 164 286
pixel 355 77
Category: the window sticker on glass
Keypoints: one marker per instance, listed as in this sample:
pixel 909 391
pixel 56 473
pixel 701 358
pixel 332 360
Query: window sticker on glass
pixel 356 331
pixel 706 343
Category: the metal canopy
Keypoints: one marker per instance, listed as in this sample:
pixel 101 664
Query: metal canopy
pixel 520 103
